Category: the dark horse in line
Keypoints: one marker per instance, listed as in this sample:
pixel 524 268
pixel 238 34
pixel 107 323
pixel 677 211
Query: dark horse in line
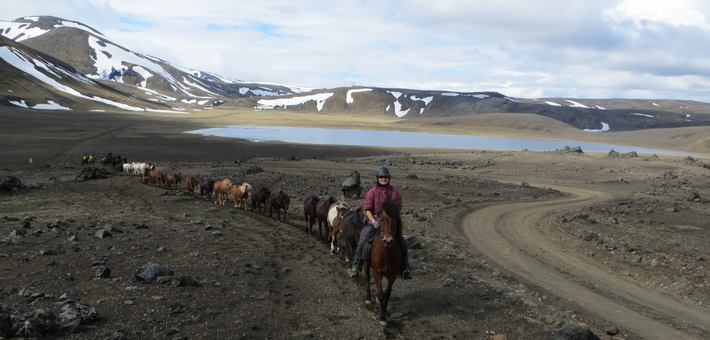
pixel 386 256
pixel 279 200
pixel 259 198
pixel 353 223
pixel 309 212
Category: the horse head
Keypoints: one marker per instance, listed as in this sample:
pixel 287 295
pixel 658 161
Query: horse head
pixel 390 220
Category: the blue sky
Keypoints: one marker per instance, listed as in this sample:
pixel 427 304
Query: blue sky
pixel 522 48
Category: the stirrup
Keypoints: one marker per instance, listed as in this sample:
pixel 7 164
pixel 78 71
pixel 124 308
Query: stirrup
pixel 406 275
pixel 355 272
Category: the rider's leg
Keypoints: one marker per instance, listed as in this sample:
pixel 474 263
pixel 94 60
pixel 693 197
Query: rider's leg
pixel 406 274
pixel 357 259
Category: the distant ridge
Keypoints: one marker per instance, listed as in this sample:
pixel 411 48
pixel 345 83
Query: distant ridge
pixel 47 59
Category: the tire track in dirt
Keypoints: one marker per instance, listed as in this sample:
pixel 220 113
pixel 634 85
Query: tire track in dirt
pixel 509 235
pixel 68 152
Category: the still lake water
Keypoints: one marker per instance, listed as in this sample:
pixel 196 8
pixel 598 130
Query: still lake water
pixel 406 139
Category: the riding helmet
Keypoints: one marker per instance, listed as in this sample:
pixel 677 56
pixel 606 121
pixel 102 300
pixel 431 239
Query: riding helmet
pixel 383 171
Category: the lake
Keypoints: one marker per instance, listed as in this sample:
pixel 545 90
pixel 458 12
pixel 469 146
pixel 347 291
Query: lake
pixel 406 139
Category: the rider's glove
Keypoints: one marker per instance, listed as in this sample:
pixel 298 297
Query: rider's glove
pixel 376 224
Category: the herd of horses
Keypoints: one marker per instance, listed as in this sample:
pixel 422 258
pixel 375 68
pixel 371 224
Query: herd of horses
pixel 343 225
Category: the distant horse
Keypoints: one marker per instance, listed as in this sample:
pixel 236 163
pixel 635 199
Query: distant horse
pixel 279 201
pixel 91 160
pixel 145 170
pixel 127 168
pixel 85 161
pixel 156 176
pixel 309 212
pixel 322 215
pixel 335 222
pixel 385 256
pixel 260 197
pixel 241 194
pixel 206 187
pixel 221 191
pixel 353 223
pixel 174 179
pixel 192 184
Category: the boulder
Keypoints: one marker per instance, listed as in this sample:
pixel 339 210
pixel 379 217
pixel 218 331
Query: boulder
pixel 351 187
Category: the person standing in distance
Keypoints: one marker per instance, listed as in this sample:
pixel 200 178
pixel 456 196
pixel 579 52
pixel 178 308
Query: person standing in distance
pixel 374 197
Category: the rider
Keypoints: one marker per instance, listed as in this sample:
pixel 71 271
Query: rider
pixel 375 196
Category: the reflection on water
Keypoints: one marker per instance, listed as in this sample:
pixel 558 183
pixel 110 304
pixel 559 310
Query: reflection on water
pixel 405 139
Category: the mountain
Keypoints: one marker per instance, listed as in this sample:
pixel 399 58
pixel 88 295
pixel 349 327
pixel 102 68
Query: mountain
pixel 74 66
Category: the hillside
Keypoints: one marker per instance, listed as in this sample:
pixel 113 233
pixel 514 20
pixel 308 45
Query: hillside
pixel 137 82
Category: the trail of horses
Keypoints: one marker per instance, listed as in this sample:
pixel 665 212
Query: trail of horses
pixel 510 235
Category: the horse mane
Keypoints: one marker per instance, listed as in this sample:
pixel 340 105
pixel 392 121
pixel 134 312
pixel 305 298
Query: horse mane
pixel 391 208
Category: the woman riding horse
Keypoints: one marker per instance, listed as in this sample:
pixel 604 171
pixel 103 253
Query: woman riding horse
pixel 374 198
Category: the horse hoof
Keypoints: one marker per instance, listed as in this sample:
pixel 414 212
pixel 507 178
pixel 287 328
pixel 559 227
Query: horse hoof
pixel 383 323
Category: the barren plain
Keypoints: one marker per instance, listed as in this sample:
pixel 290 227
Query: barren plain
pixel 510 244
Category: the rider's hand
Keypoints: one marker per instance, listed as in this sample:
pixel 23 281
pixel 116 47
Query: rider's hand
pixel 376 224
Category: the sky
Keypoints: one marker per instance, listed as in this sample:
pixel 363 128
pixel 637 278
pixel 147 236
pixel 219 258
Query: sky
pixel 645 49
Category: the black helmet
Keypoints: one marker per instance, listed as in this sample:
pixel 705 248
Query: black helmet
pixel 383 171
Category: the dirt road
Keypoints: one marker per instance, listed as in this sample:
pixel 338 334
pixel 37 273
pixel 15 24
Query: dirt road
pixel 511 235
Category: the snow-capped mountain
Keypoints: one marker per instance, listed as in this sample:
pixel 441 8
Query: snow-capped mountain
pixel 53 63
pixel 97 57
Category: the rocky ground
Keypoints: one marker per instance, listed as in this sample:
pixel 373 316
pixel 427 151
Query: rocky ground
pixel 71 246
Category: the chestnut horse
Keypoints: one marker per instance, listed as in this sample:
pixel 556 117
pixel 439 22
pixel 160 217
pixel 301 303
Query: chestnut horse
pixel 335 222
pixel 156 176
pixel 241 194
pixel 353 223
pixel 221 191
pixel 386 256
pixel 309 212
pixel 174 179
pixel 322 215
pixel 192 184
pixel 260 197
pixel 279 201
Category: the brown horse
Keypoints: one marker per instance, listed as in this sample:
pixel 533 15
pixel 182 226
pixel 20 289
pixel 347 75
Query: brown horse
pixel 156 176
pixel 353 223
pixel 174 179
pixel 192 184
pixel 386 256
pixel 322 216
pixel 279 201
pixel 335 222
pixel 241 194
pixel 309 212
pixel 221 191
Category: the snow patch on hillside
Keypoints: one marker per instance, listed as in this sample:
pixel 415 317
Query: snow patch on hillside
pixel 576 104
pixel 553 103
pixel 319 98
pixel 644 115
pixel 20 31
pixel 144 73
pixel 605 128
pixel 426 100
pixel 349 97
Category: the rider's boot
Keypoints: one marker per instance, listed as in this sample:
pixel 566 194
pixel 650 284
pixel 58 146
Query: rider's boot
pixel 355 271
pixel 406 274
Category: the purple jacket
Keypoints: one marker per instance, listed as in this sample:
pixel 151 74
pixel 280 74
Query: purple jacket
pixel 378 195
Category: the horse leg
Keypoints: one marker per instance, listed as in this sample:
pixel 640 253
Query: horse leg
pixel 368 294
pixel 384 297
